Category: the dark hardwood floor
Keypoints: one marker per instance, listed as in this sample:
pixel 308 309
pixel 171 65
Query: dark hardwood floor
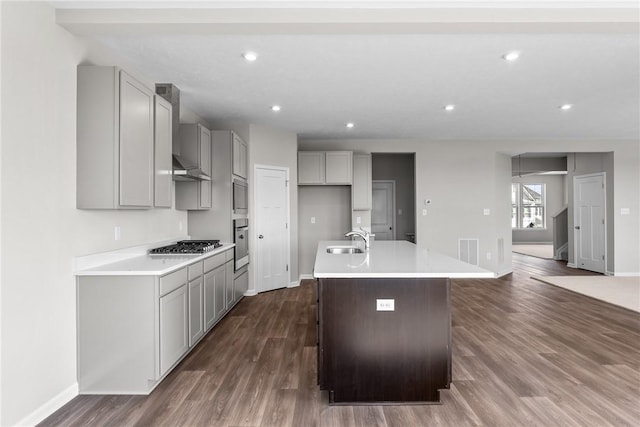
pixel 524 354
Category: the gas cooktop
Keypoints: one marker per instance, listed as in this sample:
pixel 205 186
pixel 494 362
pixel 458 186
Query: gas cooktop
pixel 187 247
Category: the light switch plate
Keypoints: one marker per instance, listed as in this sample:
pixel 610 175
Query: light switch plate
pixel 313 220
pixel 385 305
pixel 625 211
pixel 487 211
pixel 358 220
pixel 424 212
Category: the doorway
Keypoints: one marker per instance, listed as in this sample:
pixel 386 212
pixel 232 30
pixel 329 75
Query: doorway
pixel 383 219
pixel 400 214
pixel 590 221
pixel 272 228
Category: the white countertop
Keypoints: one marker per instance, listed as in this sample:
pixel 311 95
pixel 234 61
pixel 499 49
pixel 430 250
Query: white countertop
pixel 391 258
pixel 145 265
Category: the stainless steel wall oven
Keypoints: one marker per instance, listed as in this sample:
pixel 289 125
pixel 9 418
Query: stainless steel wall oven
pixel 241 239
pixel 240 197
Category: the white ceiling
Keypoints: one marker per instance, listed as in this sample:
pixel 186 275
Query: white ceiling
pixel 394 85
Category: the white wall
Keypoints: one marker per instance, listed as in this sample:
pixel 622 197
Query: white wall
pixel 331 207
pixel 554 201
pixel 271 147
pixel 445 170
pixel 42 231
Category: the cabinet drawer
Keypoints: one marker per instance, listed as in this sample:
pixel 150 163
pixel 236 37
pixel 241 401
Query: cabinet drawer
pixel 229 256
pixel 195 270
pixel 173 281
pixel 214 261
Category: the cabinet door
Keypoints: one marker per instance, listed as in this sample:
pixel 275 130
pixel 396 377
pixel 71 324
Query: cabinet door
pixel 209 300
pixel 339 166
pixel 136 143
pixel 196 325
pixel 174 327
pixel 241 284
pixel 311 169
pixel 239 156
pixel 205 165
pixel 162 153
pixel 219 290
pixel 228 280
pixel 361 190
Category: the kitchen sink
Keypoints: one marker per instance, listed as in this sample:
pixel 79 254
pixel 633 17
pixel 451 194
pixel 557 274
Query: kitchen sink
pixel 344 250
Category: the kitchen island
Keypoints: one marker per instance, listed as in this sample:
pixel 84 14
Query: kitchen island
pixel 384 321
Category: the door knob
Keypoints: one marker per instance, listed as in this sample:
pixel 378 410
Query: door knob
pixel 260 236
pixel 390 228
pixel 577 227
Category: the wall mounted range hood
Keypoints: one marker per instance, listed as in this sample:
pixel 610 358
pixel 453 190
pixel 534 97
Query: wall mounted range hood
pixel 183 169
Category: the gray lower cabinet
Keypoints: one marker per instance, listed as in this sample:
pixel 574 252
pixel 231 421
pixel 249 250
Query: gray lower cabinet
pixel 196 315
pixel 241 284
pixel 174 327
pixel 132 330
pixel 115 140
pixel 219 288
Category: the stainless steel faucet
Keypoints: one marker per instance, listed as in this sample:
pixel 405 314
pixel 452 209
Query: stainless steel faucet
pixel 360 233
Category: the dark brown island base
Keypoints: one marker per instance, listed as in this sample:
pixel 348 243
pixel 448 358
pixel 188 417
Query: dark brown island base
pixel 385 337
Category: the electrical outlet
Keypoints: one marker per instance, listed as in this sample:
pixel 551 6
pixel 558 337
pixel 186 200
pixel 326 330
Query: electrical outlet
pixel 116 232
pixel 488 256
pixel 487 211
pixel 399 211
pixel 625 211
pixel 313 220
pixel 424 212
pixel 385 305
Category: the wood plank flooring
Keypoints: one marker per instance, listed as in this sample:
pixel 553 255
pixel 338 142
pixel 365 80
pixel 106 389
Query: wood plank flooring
pixel 524 354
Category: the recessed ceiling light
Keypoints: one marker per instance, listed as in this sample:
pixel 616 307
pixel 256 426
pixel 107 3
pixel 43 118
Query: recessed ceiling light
pixel 511 56
pixel 250 56
pixel 350 125
pixel 450 107
pixel 566 107
pixel 275 108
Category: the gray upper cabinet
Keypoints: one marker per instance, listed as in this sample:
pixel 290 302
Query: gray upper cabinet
pixel 325 167
pixel 195 147
pixel 361 190
pixel 339 167
pixel 115 140
pixel 163 183
pixel 240 167
pixel 311 168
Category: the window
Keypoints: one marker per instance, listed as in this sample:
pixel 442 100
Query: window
pixel 527 206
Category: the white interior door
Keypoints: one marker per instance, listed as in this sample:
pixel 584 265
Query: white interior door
pixel 383 209
pixel 272 233
pixel 589 222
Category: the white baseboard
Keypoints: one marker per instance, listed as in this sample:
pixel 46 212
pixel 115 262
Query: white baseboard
pixel 50 407
pixel 609 273
pixel 250 293
pixel 306 277
pixel 294 284
pixel 571 265
pixel 632 274
pixel 499 274
pixel 531 243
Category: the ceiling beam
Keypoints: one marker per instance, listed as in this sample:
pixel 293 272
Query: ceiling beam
pixel 148 21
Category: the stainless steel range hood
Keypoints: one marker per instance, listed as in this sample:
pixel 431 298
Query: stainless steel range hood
pixel 183 169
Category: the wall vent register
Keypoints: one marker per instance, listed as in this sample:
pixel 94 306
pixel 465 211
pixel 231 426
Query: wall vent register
pixel 187 247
